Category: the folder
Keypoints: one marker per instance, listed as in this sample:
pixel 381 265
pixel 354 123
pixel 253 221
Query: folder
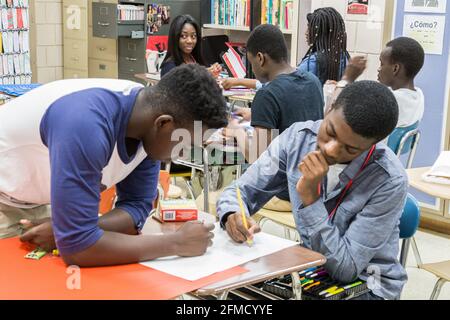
pixel 22 63
pixel 14 17
pixel 25 18
pixel 10 59
pixel 26 41
pixel 16 64
pixel 16 44
pixel 5 65
pixel 5 41
pixel 19 18
pixel 4 18
pixel 27 62
pixel 26 278
pixel 11 42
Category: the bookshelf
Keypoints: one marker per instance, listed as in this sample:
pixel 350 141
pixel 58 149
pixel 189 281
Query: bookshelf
pixel 15 64
pixel 225 27
pixel 223 17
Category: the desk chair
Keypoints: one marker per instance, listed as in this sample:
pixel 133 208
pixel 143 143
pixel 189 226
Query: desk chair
pixel 440 270
pixel 185 175
pixel 280 213
pixel 409 223
pixel 108 197
pixel 404 141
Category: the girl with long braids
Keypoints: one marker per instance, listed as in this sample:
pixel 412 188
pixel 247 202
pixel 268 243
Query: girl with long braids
pixel 327 56
pixel 327 39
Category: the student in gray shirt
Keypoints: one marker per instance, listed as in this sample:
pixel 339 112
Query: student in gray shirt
pixel 354 224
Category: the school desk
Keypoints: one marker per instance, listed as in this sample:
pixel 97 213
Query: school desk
pixel 287 261
pixel 210 170
pixel 440 269
pixel 149 78
pixel 246 98
pixel 49 278
pixel 441 191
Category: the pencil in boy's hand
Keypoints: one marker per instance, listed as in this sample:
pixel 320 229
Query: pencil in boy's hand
pixel 244 217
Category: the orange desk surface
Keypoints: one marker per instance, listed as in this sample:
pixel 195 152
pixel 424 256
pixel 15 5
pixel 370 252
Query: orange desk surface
pixel 46 278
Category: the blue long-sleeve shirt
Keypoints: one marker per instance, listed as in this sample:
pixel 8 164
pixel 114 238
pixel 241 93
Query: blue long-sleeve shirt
pixel 363 239
pixel 85 135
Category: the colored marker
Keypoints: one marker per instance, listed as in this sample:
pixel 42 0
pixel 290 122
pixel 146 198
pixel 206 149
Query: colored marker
pixel 320 273
pixel 315 284
pixel 307 270
pixel 353 285
pixel 307 282
pixel 335 293
pixel 331 289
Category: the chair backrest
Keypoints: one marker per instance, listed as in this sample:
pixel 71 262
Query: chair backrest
pixel 410 219
pixel 404 141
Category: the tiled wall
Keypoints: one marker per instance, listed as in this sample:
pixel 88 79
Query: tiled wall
pixel 366 33
pixel 46 38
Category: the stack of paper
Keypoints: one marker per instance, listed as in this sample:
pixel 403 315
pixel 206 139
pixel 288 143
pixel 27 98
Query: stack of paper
pixel 440 172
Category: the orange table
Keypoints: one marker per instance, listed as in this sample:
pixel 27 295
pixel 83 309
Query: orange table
pixel 49 278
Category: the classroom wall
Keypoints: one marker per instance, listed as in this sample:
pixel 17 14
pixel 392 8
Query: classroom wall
pixel 434 80
pixel 46 40
pixel 366 33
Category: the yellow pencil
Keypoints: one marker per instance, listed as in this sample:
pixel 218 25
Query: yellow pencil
pixel 244 217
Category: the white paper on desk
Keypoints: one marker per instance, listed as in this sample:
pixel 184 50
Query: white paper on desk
pixel 224 254
pixel 440 172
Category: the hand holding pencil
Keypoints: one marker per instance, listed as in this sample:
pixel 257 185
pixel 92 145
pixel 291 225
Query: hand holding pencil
pixel 240 227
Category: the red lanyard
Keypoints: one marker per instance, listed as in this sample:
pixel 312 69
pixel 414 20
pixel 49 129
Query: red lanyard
pixel 350 183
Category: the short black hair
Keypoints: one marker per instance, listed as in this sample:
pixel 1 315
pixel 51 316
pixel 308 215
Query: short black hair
pixel 369 108
pixel 408 52
pixel 268 39
pixel 189 93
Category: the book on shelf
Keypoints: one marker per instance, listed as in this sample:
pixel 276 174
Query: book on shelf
pixel 278 12
pixel 129 12
pixel 234 13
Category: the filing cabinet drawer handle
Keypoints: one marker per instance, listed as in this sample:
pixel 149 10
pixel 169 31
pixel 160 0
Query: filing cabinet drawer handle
pixel 130 59
pixel 101 48
pixel 75 59
pixel 104 24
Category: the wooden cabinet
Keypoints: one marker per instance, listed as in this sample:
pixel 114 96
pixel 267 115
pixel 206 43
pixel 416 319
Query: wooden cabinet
pixel 84 54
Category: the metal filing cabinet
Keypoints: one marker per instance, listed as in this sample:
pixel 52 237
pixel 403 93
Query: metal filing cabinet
pixel 84 55
pixel 128 35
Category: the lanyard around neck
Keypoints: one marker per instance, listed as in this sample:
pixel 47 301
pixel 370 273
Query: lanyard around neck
pixel 350 183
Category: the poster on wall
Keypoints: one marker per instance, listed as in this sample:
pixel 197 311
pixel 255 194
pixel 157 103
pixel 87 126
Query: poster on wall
pixel 157 15
pixel 358 7
pixel 426 6
pixel 427 30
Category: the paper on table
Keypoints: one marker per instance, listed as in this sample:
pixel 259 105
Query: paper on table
pixel 440 172
pixel 224 254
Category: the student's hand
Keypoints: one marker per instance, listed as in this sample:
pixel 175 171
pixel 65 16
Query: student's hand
pixel 39 232
pixel 215 70
pixel 314 168
pixel 229 83
pixel 233 129
pixel 236 230
pixel 355 68
pixel 194 237
pixel 245 113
